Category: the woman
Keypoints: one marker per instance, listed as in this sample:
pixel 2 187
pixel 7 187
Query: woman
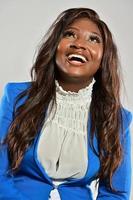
pixel 67 126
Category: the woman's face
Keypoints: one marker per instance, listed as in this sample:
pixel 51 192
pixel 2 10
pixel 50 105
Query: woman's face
pixel 79 51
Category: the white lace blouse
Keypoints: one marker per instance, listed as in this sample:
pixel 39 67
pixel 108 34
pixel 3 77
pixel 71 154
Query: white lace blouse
pixel 62 148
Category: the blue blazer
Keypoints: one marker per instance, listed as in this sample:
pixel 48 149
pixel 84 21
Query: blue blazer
pixel 33 183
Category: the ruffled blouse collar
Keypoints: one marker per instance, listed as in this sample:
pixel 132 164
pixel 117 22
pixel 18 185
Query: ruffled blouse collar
pixel 82 94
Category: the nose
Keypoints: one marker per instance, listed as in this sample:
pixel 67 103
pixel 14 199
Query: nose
pixel 78 44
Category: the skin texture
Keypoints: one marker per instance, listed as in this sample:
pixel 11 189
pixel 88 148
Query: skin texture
pixel 82 37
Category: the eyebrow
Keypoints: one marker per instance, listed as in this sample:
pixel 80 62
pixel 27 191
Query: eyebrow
pixel 71 27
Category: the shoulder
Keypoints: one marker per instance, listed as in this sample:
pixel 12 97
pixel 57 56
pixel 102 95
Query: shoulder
pixel 17 86
pixel 13 89
pixel 126 118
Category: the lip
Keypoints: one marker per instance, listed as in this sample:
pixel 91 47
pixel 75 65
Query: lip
pixel 81 57
pixel 78 52
pixel 74 62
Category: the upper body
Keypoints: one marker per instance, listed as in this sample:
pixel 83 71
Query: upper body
pixel 78 48
pixel 32 181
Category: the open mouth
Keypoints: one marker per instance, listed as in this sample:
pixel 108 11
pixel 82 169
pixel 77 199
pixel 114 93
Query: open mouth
pixel 76 58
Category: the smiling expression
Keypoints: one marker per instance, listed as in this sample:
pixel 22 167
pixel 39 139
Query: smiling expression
pixel 79 51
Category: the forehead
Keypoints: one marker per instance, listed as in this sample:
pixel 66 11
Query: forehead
pixel 85 24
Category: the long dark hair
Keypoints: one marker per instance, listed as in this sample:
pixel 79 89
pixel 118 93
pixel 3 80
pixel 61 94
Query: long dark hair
pixel 104 109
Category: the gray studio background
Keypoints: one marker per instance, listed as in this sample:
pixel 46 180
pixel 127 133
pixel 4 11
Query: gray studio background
pixel 24 22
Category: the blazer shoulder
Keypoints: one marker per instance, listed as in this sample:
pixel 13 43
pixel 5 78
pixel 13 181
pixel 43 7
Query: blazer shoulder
pixel 17 86
pixel 13 89
pixel 126 118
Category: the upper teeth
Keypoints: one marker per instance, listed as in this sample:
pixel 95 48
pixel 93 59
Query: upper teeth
pixel 77 56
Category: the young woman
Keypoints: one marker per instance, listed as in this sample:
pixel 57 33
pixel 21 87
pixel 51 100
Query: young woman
pixel 67 126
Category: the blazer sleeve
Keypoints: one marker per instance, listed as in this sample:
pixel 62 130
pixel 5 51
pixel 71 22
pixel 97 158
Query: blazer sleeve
pixel 121 179
pixel 7 187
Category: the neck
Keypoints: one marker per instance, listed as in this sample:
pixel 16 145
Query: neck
pixel 74 86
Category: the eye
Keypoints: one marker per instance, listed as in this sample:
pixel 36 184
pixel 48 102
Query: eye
pixel 69 33
pixel 95 39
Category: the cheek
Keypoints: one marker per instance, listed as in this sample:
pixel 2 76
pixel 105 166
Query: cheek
pixel 99 57
pixel 59 51
pixel 97 53
pixel 59 55
pixel 100 53
pixel 62 46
